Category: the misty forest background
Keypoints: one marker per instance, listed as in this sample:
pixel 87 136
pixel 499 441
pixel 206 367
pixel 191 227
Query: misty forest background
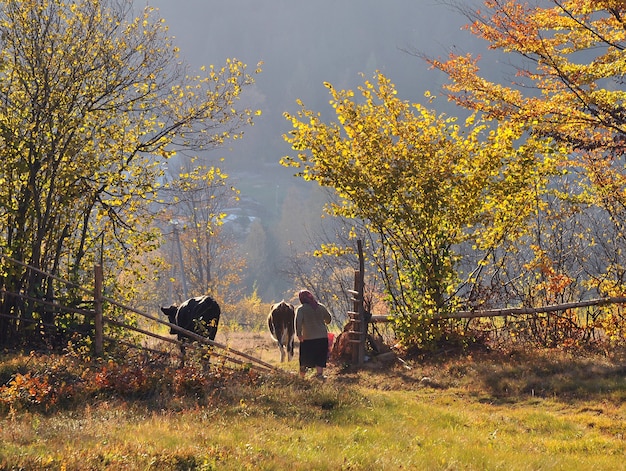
pixel 277 222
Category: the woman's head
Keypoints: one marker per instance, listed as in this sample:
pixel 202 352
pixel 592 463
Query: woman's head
pixel 306 297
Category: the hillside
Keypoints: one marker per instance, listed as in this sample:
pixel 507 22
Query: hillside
pixel 518 410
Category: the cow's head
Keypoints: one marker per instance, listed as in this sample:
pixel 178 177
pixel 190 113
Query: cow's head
pixel 170 312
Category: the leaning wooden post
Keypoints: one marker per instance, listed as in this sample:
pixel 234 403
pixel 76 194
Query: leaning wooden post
pixel 97 303
pixel 358 322
pixel 360 288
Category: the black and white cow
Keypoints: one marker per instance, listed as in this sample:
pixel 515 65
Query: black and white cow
pixel 200 315
pixel 281 323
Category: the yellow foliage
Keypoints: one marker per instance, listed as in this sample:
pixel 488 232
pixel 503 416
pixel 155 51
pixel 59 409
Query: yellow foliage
pixel 580 101
pixel 94 99
pixel 423 183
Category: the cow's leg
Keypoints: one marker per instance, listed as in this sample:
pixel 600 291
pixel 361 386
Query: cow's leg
pixel 182 355
pixel 285 343
pixel 282 352
pixel 290 349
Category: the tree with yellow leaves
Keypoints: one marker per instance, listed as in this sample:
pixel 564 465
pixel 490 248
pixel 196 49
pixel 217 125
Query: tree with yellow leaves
pixel 570 82
pixel 93 100
pixel 425 186
pixel 569 86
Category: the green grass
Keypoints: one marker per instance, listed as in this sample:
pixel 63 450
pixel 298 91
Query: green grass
pixel 383 418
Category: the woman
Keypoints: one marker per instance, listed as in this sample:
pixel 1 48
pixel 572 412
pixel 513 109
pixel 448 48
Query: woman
pixel 311 320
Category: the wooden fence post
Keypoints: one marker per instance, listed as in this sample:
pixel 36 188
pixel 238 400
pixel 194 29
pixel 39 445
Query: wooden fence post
pixel 361 289
pixel 357 326
pixel 359 323
pixel 97 303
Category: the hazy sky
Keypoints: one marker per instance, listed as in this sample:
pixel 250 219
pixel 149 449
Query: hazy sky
pixel 326 36
pixel 303 44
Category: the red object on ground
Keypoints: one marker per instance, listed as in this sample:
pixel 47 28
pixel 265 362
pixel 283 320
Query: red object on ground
pixel 331 341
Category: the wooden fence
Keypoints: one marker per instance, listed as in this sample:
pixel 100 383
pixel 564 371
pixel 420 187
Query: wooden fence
pixel 358 321
pixel 99 300
pixel 357 327
pixel 518 311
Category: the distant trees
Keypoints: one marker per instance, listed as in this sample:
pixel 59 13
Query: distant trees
pixel 194 199
pixel 93 100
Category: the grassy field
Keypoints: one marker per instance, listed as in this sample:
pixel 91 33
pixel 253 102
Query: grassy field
pixel 544 410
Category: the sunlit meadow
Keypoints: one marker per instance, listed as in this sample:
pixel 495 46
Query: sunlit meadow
pixel 521 411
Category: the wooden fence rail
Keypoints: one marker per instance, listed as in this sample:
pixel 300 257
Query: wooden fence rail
pixel 518 311
pixel 357 325
pixel 99 319
pixel 188 333
pixel 358 319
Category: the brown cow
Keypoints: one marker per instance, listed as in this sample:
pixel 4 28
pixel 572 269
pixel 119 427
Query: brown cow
pixel 281 323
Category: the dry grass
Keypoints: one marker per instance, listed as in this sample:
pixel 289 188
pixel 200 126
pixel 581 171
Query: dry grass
pixel 505 376
pixel 547 410
pixel 258 344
